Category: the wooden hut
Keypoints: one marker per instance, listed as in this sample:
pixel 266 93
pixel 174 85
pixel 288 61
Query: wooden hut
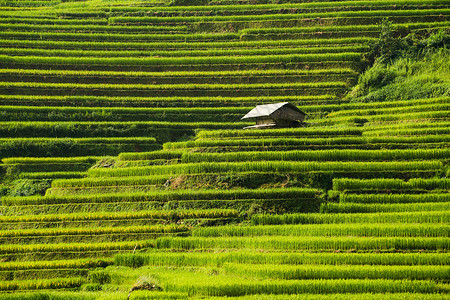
pixel 277 115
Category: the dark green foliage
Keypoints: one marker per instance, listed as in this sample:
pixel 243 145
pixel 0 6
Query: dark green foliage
pixel 388 47
pixel 377 77
pixel 412 67
pixel 405 79
pixel 28 187
pixel 4 188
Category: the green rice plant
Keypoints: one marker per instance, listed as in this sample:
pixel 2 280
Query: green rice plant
pixel 239 287
pixel 104 101
pixel 98 132
pixel 116 110
pixel 93 231
pixel 217 259
pixel 390 111
pixel 304 243
pixel 50 160
pixel 147 295
pixel 73 247
pixel 57 164
pixel 227 285
pixel 374 106
pixel 276 16
pixel 91 28
pixel 23 275
pixel 277 205
pixel 52 175
pixel 318 155
pixel 343 184
pixel 427 115
pixel 27 4
pixel 66 222
pixel 150 155
pixel 110 37
pixel 33 113
pixel 40 85
pixel 305 141
pixel 142 214
pixel 327 230
pixel 56 264
pixel 48 167
pixel 107 189
pixel 275 30
pixel 149 61
pixel 410 125
pixel 288 132
pixel 99 45
pixel 352 207
pixel 409 132
pixel 24 20
pixel 114 181
pixel 103 140
pixel 272 271
pixel 394 198
pixel 179 53
pixel 173 74
pixel 269 166
pixel 62 146
pixel 141 295
pixel 201 281
pixel 392 104
pixel 165 196
pixel 295 144
pixel 291 5
pixel 337 218
pixel 55 283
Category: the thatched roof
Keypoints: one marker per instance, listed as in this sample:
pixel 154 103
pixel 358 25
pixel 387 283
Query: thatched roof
pixel 283 110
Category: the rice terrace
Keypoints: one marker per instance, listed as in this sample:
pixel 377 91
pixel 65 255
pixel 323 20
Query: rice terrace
pixel 126 171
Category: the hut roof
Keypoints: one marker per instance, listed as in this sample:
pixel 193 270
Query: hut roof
pixel 283 110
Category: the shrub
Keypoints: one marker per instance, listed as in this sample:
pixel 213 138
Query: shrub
pixel 28 187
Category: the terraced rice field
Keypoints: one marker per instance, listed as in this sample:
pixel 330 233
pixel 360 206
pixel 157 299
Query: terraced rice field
pixel 131 111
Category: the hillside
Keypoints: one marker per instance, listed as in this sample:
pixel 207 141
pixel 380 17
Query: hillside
pixel 126 172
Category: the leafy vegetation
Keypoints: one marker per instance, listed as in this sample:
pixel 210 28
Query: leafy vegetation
pixel 405 68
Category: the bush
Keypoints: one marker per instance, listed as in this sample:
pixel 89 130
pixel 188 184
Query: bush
pixel 405 79
pixel 412 67
pixel 387 48
pixel 375 78
pixel 28 187
pixel 4 190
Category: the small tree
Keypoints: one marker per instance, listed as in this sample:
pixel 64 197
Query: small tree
pixel 386 47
